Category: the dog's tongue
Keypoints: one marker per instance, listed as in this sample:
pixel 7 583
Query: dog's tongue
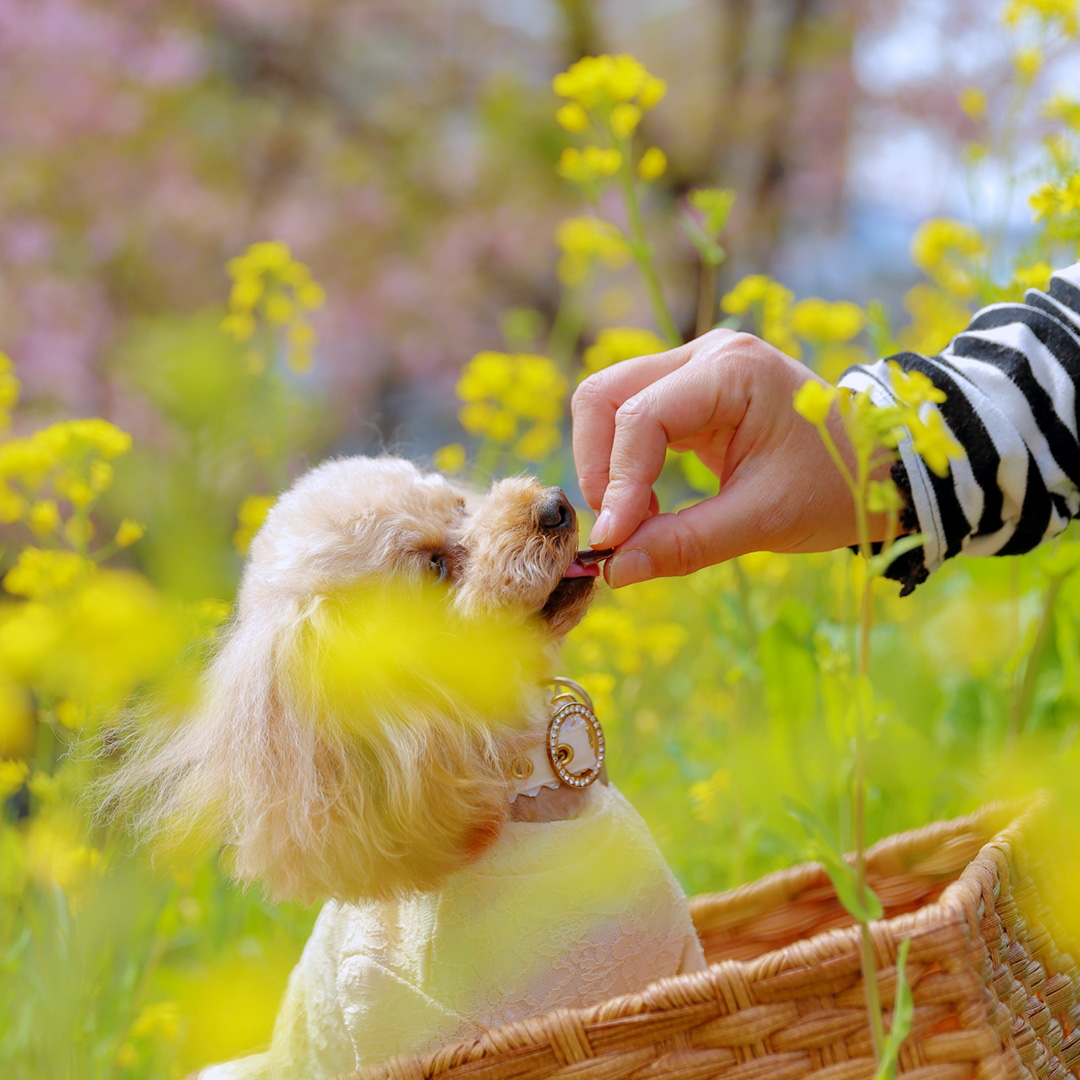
pixel 578 569
pixel 587 563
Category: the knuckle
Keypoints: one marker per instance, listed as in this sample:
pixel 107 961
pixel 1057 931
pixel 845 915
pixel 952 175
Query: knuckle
pixel 588 395
pixel 688 552
pixel 631 412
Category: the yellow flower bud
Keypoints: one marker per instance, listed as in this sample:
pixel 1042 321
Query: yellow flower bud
pixel 1036 276
pixel 653 164
pixel 450 458
pixel 239 326
pixel 311 295
pixel 573 117
pixel 44 518
pixel 71 714
pixel 652 93
pixel 279 308
pixel 973 102
pixel 129 532
pixel 79 531
pixel 624 120
pixel 101 476
pixel 245 293
pixel 813 400
pixel 1028 62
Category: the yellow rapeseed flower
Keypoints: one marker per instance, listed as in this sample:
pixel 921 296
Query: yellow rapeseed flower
pixel 129 532
pixel 450 458
pixel 78 531
pixel 618 343
pixel 936 318
pixel 589 165
pixel 1035 276
pixel 71 714
pixel 17 736
pixel 624 120
pixel 487 375
pixel 502 392
pixel 43 517
pixel 652 93
pixel 1048 12
pixel 585 240
pixel 310 295
pixel 1065 109
pixel 39 572
pixel 9 389
pixel 823 322
pixel 749 291
pixel 538 443
pixel 13 775
pixel 653 164
pixel 1028 62
pixel 933 443
pixel 973 102
pixel 813 400
pixel 948 251
pixel 250 516
pixel 268 281
pixel 600 82
pixel 278 308
pixel 55 854
pixel 913 387
pixel 573 117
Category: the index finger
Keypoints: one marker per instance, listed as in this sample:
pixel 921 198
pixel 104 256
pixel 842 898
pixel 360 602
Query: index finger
pixel 593 409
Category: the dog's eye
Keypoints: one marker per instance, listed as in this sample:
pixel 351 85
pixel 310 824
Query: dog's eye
pixel 438 566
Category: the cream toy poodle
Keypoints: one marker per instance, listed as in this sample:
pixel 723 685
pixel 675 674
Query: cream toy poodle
pixel 376 732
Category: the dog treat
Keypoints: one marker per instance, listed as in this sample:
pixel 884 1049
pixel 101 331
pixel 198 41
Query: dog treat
pixel 596 555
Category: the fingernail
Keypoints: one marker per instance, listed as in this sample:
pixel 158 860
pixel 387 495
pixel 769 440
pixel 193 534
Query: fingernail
pixel 601 529
pixel 628 567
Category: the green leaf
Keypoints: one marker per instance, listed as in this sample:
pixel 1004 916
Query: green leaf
pixel 841 873
pixel 880 329
pixel 903 1011
pixel 714 205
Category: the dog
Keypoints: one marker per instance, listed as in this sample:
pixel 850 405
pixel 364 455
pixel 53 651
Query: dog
pixel 376 732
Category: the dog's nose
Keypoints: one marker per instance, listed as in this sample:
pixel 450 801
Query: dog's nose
pixel 555 512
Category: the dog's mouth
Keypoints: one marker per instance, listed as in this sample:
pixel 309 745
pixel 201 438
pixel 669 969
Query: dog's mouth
pixel 575 585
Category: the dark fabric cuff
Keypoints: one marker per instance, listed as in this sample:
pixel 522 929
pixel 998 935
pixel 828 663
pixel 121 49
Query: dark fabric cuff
pixel 910 568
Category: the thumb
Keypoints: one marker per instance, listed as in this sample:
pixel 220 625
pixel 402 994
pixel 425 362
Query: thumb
pixel 709 532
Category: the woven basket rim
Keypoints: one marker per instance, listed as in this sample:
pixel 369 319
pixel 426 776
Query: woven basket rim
pixel 998 825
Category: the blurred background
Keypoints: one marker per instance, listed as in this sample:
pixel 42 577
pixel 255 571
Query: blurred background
pixel 407 154
pixel 405 151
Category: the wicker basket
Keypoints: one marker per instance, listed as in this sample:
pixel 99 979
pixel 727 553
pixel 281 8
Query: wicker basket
pixel 995 997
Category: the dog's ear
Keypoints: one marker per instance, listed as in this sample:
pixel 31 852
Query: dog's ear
pixel 318 793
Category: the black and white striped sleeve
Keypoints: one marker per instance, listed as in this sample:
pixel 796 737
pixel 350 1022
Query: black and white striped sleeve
pixel 1011 381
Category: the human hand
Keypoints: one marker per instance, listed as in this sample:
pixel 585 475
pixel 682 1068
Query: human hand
pixel 727 397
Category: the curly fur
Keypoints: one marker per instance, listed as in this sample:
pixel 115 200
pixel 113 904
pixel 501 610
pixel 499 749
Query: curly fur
pixel 318 796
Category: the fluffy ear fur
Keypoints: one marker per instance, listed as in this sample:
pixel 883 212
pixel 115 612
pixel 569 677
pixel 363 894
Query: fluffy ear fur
pixel 315 800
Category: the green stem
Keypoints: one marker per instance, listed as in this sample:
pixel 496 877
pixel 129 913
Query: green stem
pixel 866 617
pixel 1024 693
pixel 565 329
pixel 642 253
pixel 706 299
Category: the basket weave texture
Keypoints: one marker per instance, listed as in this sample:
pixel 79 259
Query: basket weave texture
pixel 995 996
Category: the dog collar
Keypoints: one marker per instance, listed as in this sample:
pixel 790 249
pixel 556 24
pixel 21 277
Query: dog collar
pixel 572 753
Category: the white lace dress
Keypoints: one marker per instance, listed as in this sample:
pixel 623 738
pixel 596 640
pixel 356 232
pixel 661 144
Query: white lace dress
pixel 564 913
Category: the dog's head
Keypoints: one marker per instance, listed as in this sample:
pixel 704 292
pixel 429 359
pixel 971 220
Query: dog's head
pixel 393 775
pixel 512 550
